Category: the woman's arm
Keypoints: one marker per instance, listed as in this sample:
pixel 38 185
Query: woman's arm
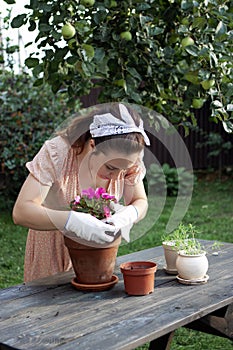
pixel 29 211
pixel 136 196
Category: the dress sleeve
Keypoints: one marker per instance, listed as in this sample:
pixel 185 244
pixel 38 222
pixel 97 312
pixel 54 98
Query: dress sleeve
pixel 47 165
pixel 136 173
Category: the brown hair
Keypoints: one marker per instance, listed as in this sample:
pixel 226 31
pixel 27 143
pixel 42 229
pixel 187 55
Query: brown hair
pixel 78 133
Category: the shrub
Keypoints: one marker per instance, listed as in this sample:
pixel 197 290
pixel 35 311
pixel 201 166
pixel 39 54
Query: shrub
pixel 28 116
pixel 169 178
pixel 216 146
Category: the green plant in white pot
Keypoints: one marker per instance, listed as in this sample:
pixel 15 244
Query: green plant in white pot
pixel 171 244
pixel 192 263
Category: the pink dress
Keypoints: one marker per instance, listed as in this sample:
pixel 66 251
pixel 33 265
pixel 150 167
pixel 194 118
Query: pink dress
pixel 56 165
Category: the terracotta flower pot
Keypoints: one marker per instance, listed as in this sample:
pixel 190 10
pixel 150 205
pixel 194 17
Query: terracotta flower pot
pixel 93 265
pixel 139 277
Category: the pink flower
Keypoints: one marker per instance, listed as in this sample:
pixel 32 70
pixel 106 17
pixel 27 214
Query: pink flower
pixel 95 202
pixel 77 199
pixel 107 196
pixel 90 193
pixel 99 191
pixel 107 212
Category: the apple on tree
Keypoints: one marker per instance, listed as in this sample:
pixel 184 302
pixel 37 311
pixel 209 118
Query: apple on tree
pixel 187 41
pixel 88 50
pixel 207 84
pixel 72 44
pixel 87 3
pixel 126 35
pixel 198 103
pixel 68 31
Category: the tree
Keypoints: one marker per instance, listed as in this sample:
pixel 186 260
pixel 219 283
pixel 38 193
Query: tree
pixel 171 56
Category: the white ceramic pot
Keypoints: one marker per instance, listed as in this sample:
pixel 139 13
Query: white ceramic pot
pixel 170 254
pixel 192 267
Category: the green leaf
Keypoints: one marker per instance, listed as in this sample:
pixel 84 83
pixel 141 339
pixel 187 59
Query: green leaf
pixel 72 59
pixel 60 53
pixel 102 67
pixel 43 27
pixel 12 49
pixel 49 54
pixel 37 70
pixel 144 20
pixel 38 82
pixel 216 104
pixel 32 25
pixel 199 22
pixel 99 54
pixel 33 4
pixel 192 50
pixel 58 18
pixel 156 31
pixel 31 62
pixel 186 4
pixel 56 35
pixel 213 58
pixel 10 2
pixel 230 107
pixel 45 7
pixel 136 97
pixel 56 86
pixel 87 69
pixel 99 17
pixel 18 21
pixel 132 71
pixel 221 29
pixel 143 7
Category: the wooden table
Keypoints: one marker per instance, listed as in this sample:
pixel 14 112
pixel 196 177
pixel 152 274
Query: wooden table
pixel 51 314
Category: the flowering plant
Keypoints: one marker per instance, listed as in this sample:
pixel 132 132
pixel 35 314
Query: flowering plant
pixel 95 202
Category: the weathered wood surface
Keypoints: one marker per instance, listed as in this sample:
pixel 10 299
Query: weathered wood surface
pixel 50 314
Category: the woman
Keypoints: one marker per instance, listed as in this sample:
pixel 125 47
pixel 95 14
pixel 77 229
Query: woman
pixel 101 149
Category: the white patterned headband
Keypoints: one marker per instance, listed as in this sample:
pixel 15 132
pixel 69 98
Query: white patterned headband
pixel 106 124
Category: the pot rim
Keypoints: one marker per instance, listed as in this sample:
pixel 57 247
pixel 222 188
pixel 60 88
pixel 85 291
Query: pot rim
pixel 80 243
pixel 183 253
pixel 138 266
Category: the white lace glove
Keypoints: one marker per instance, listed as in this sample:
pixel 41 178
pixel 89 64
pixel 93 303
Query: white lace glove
pixel 87 227
pixel 123 219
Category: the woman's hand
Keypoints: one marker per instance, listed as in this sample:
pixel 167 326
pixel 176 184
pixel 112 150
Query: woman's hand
pixel 123 219
pixel 87 227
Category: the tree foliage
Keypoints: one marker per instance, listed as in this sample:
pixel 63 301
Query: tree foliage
pixel 167 55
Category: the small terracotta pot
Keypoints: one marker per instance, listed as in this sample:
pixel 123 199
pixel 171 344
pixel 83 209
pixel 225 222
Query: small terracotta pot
pixel 139 277
pixel 92 265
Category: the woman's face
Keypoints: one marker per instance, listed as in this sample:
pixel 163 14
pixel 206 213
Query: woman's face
pixel 109 166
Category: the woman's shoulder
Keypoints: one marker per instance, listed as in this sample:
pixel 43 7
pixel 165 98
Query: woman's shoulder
pixel 58 141
pixel 58 145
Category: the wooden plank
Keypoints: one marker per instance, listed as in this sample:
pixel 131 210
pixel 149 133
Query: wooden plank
pixel 35 287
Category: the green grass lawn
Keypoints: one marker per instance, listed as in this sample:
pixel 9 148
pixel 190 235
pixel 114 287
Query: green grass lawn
pixel 211 211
